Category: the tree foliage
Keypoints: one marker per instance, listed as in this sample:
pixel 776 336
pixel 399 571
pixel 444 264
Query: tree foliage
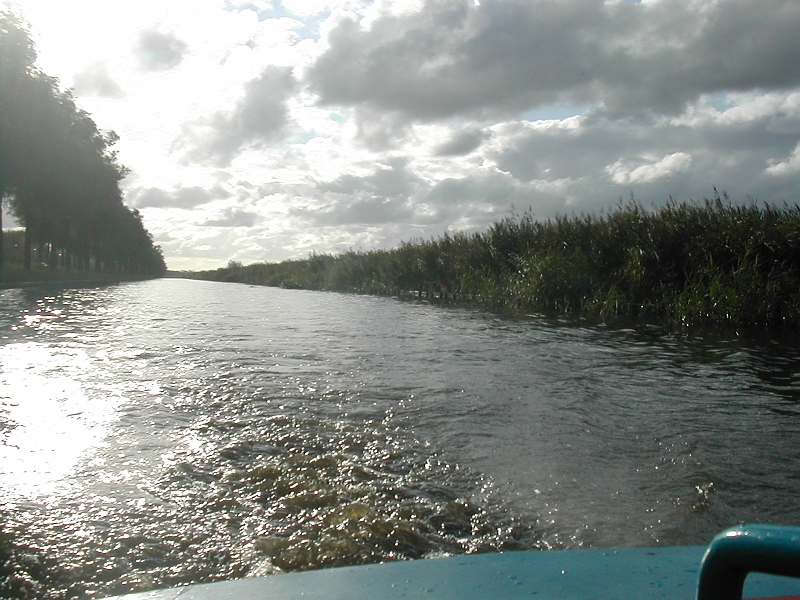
pixel 59 174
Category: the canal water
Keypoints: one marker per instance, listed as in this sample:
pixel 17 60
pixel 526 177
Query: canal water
pixel 173 431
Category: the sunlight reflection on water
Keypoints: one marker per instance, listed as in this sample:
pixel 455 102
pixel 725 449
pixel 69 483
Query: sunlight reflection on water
pixel 51 420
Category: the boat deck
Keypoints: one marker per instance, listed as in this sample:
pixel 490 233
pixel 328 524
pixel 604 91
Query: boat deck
pixel 669 573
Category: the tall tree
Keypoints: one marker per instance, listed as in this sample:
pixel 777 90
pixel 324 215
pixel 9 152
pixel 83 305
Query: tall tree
pixel 58 171
pixel 17 64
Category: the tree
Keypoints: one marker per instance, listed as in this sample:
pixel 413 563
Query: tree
pixel 17 63
pixel 58 172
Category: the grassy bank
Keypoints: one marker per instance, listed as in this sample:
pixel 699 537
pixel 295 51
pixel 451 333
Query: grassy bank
pixel 710 262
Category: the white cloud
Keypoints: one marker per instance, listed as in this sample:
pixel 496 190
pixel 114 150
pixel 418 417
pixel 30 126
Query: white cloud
pixel 179 197
pixel 625 171
pixel 159 51
pixel 787 167
pixel 231 217
pixel 96 81
pixel 307 8
pixel 255 5
pixel 258 118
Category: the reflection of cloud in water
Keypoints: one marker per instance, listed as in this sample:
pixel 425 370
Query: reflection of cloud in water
pixel 48 420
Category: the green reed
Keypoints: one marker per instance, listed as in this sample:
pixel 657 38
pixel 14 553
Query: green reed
pixel 689 262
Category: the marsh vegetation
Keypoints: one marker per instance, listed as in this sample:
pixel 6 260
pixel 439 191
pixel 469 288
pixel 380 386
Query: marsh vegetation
pixel 690 262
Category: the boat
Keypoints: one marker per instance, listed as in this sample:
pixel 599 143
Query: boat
pixel 747 561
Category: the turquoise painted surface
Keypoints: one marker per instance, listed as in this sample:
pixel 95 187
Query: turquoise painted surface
pixel 741 550
pixel 642 573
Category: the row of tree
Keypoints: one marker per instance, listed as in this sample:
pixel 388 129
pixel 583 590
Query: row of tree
pixel 58 174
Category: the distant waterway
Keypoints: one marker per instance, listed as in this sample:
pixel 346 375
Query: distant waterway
pixel 171 431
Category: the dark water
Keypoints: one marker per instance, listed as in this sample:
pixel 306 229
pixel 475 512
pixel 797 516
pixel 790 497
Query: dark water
pixel 173 431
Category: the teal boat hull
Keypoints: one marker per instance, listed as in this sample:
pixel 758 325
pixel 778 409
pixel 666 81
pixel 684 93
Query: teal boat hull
pixel 669 573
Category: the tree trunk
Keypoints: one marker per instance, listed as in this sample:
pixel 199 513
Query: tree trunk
pixel 27 248
pixel 2 240
pixel 53 259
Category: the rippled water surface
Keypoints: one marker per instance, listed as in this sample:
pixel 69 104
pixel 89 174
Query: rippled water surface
pixel 174 431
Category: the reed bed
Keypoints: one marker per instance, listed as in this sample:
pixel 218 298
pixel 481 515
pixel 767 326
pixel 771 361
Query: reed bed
pixel 691 262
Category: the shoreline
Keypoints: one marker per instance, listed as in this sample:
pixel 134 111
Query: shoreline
pixel 27 283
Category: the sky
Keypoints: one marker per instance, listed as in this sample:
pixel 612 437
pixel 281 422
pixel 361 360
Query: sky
pixel 268 130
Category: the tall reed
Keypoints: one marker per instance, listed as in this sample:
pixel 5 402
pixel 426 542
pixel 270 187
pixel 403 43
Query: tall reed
pixel 689 262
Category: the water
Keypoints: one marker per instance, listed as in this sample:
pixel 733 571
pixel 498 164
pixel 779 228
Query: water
pixel 171 431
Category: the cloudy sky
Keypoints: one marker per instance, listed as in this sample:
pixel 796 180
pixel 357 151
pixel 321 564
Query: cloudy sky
pixel 267 130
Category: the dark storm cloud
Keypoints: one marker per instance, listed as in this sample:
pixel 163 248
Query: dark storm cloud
pixel 455 58
pixel 462 143
pixel 95 81
pixel 259 117
pixel 159 51
pixel 180 197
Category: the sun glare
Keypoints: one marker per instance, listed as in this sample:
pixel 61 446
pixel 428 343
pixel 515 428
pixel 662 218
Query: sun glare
pixel 48 421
